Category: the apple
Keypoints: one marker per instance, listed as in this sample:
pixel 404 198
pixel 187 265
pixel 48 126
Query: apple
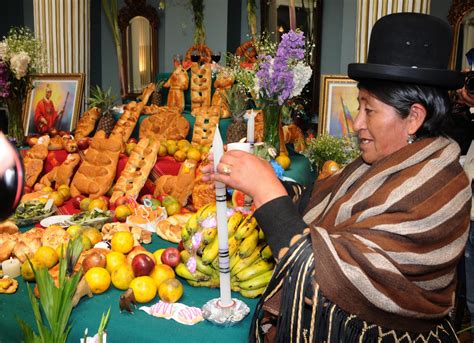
pixel 106 200
pixel 136 251
pixel 122 200
pixel 132 140
pixel 142 265
pixel 83 143
pixel 171 257
pixel 76 201
pixel 129 148
pixel 146 196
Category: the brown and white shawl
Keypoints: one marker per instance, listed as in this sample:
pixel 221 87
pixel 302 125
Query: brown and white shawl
pixel 385 239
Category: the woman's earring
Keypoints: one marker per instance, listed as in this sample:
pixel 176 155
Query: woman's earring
pixel 411 139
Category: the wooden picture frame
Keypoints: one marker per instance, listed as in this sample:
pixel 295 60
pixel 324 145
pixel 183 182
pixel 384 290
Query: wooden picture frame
pixel 66 91
pixel 338 105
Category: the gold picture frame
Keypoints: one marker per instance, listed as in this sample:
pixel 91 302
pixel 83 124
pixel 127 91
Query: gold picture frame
pixel 338 105
pixel 60 110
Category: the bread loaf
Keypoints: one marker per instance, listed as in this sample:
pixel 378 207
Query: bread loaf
pixel 97 172
pixel 168 123
pixel 180 186
pixel 33 160
pixel 207 119
pixel 223 82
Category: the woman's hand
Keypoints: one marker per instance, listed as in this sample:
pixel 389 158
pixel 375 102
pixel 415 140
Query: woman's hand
pixel 247 173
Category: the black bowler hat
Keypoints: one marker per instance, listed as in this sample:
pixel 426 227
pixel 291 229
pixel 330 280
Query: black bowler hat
pixel 412 48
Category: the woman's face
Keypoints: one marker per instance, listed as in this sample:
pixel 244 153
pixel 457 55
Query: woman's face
pixel 380 128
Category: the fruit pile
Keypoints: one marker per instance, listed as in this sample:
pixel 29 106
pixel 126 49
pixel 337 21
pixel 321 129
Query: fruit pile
pixel 251 260
pixel 182 150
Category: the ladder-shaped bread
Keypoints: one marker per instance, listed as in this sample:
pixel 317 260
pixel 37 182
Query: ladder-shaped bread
pixel 136 171
pixel 97 172
pixel 201 83
pixel 207 119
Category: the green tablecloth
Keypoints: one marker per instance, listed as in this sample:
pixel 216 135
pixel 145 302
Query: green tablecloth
pixel 124 327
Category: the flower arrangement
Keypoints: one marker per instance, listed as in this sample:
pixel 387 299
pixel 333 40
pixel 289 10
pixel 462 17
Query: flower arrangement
pixel 326 147
pixel 284 76
pixel 21 54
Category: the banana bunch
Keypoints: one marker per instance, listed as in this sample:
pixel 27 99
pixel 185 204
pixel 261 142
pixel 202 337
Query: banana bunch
pixel 251 259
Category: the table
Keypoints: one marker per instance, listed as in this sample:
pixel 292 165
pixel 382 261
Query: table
pixel 123 327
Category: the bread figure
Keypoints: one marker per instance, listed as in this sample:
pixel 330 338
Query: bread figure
pixel 136 171
pixel 34 160
pixel 87 123
pixel 177 84
pixel 223 82
pixel 97 172
pixel 62 174
pixel 293 134
pixel 168 123
pixel 201 83
pixel 207 119
pixel 180 186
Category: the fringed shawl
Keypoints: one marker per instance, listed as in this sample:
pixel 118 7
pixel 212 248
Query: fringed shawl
pixel 384 244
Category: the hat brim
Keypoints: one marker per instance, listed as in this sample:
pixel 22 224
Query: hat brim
pixel 447 79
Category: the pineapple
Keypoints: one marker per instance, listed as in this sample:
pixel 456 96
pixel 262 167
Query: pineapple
pixel 105 101
pixel 237 102
pixel 157 97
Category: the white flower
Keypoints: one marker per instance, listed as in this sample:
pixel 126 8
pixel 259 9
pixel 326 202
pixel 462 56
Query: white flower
pixel 301 76
pixel 3 50
pixel 19 64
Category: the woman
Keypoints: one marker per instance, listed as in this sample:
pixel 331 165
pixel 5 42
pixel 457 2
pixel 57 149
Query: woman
pixel 374 256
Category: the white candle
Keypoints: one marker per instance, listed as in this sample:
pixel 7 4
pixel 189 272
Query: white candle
pixel 251 127
pixel 11 267
pixel 222 231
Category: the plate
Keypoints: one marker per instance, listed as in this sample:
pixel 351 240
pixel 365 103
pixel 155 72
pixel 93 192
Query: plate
pixel 60 220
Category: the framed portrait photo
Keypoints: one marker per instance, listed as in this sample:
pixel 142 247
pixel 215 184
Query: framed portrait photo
pixel 54 101
pixel 338 105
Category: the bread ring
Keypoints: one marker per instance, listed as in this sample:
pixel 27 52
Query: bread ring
pixel 247 52
pixel 200 49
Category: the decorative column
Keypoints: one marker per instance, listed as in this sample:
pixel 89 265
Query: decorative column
pixel 369 11
pixel 64 27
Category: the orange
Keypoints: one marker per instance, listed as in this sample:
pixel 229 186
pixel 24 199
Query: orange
pixel 183 143
pixel 122 241
pixel 84 204
pixel 162 151
pixel 61 250
pixel 86 242
pixel 57 197
pixel 98 279
pixel 162 272
pixel 194 154
pixel 27 271
pixel 64 191
pixel 172 148
pixel 74 230
pixel 179 155
pixel 284 161
pixel 46 189
pixel 122 212
pixel 144 288
pixel 114 259
pixel 93 234
pixel 122 276
pixel 97 203
pixel 46 256
pixel 173 208
pixel 170 290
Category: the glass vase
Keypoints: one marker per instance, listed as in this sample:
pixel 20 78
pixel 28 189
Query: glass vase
pixel 15 120
pixel 271 123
